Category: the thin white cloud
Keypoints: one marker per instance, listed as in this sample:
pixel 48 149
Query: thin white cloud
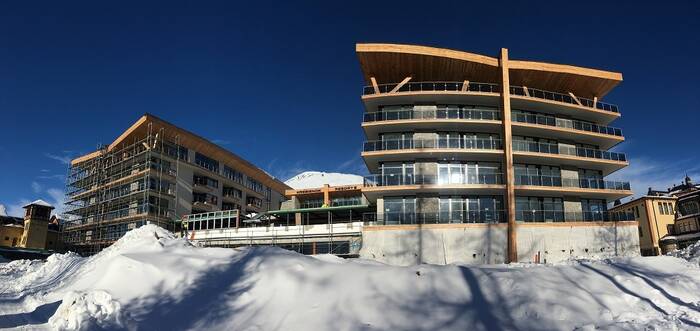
pixel 65 159
pixel 644 173
pixel 3 210
pixel 36 187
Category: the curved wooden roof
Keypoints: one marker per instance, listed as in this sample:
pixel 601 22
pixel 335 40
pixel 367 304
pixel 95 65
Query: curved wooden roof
pixel 193 142
pixel 391 63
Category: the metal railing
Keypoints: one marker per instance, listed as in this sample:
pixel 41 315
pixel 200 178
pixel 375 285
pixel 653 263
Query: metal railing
pixel 437 143
pixel 489 88
pixel 455 216
pixel 440 113
pixel 565 123
pixel 561 97
pixel 537 147
pixel 571 216
pixel 557 181
pixel 435 87
pixel 393 180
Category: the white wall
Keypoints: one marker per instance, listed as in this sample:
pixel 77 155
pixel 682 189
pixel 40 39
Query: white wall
pixel 435 244
pixel 444 244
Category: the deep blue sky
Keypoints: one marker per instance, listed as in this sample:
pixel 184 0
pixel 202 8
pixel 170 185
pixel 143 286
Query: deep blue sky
pixel 279 83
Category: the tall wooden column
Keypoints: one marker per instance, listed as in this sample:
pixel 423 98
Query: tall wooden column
pixel 508 157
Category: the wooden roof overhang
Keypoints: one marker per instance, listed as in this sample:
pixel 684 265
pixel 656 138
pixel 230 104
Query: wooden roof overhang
pixel 392 63
pixel 190 141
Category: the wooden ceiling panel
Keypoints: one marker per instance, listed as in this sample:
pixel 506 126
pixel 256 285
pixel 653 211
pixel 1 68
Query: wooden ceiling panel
pixel 391 63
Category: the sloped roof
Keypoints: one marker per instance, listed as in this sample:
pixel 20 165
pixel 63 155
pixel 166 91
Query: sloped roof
pixel 391 63
pixel 38 203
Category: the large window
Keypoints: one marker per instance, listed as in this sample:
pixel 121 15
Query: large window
pixel 535 209
pixel 232 192
pixel 233 174
pixel 399 210
pixel 202 180
pixel 471 209
pixel 469 173
pixel 254 185
pixel 593 210
pixel 688 208
pixel 397 173
pixel 530 174
pixel 206 162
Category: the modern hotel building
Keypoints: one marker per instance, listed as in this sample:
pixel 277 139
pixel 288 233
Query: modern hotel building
pixel 488 159
pixel 156 172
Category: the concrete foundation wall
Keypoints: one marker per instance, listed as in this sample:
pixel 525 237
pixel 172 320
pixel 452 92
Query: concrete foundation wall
pixel 436 244
pixel 559 242
pixel 483 244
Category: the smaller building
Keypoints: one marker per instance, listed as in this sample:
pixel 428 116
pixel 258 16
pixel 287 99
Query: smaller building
pixel 667 219
pixel 321 220
pixel 11 229
pixel 36 224
pixel 687 223
pixel 655 214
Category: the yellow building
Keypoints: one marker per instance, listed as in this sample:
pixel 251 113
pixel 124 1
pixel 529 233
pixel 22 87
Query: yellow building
pixel 11 229
pixel 655 215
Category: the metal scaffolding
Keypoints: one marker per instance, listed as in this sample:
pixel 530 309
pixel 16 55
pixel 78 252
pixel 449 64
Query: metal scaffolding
pixel 121 188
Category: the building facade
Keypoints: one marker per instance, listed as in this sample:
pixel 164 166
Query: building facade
pixel 655 214
pixel 156 172
pixel 488 159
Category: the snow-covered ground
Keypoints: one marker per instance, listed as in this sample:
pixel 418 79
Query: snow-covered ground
pixel 314 179
pixel 150 280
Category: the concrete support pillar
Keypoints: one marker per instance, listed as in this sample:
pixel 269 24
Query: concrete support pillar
pixel 508 157
pixel 297 218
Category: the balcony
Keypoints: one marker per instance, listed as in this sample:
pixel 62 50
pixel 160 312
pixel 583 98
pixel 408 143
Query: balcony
pixel 413 92
pixel 555 154
pixel 447 217
pixel 561 97
pixel 560 103
pixel 434 87
pixel 487 149
pixel 451 118
pixel 376 185
pixel 555 186
pixel 559 128
pixel 529 216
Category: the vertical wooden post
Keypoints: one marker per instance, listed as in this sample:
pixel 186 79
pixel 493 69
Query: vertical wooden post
pixel 508 157
pixel 326 195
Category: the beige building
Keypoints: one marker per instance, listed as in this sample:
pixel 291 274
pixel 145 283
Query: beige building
pixel 488 159
pixel 36 224
pixel 156 172
pixel 655 215
pixel 11 229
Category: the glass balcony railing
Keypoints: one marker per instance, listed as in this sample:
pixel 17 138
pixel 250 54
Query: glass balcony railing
pixel 571 216
pixel 435 87
pixel 393 180
pixel 438 143
pixel 444 113
pixel 490 88
pixel 453 216
pixel 537 147
pixel 561 97
pixel 556 181
pixel 565 123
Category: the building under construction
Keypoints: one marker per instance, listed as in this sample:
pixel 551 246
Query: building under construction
pixel 155 173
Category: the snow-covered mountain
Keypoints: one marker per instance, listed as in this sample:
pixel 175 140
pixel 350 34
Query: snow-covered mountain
pixel 313 179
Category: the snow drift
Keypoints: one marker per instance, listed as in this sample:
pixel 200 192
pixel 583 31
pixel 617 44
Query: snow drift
pixel 152 280
pixel 314 179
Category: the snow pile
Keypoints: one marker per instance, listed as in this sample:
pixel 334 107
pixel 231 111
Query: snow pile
pixel 690 253
pixel 86 311
pixel 152 280
pixel 315 179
